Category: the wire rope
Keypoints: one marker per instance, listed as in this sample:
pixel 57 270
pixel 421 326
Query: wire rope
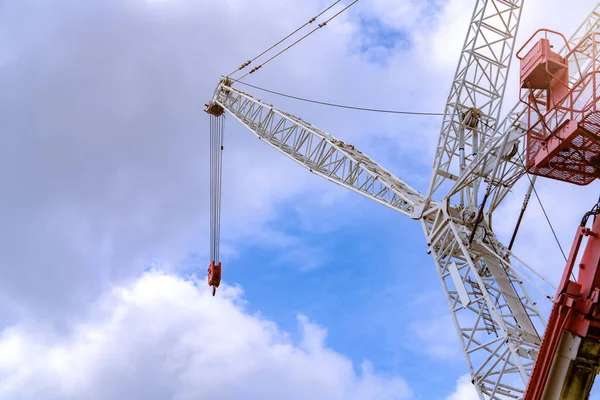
pixel 321 25
pixel 544 210
pixel 324 103
pixel 216 177
pixel 310 21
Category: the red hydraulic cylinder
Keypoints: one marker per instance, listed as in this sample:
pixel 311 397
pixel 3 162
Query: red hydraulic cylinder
pixel 574 323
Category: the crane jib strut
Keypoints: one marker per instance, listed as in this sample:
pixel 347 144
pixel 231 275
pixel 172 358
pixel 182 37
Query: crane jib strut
pixel 486 285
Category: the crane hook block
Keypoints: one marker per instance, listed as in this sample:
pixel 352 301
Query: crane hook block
pixel 214 275
pixel 214 109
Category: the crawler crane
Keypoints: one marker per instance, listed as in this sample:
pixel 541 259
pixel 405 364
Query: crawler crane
pixel 553 132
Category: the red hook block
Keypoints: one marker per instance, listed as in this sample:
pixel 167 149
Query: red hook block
pixel 214 275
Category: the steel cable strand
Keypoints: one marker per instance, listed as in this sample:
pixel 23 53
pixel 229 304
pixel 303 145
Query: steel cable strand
pixel 321 25
pixel 215 144
pixel 543 209
pixel 212 188
pixel 219 149
pixel 324 103
pixel 310 21
pixel 211 171
pixel 216 189
pixel 216 183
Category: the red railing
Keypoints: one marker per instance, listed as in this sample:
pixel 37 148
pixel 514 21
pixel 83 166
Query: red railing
pixel 546 32
pixel 573 121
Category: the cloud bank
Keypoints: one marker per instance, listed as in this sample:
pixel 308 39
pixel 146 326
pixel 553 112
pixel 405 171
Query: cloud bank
pixel 164 337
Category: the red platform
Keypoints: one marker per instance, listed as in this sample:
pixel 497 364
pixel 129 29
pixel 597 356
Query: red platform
pixel 564 144
pixel 563 139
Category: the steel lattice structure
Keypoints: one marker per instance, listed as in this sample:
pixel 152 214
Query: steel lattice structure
pixel 318 151
pixel 496 319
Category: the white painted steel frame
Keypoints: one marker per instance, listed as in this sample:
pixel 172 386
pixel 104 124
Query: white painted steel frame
pixel 318 151
pixel 500 164
pixel 513 128
pixel 479 83
pixel 498 326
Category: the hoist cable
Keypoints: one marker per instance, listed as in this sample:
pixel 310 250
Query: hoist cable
pixel 522 212
pixel 543 210
pixel 212 188
pixel 216 200
pixel 299 40
pixel 220 181
pixel 216 177
pixel 216 189
pixel 310 21
pixel 210 146
pixel 324 103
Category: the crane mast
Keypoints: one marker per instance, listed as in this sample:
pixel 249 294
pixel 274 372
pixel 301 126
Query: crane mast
pixel 495 318
pixel 513 128
pixel 486 285
pixel 476 93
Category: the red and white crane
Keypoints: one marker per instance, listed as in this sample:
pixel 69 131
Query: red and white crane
pixel 551 132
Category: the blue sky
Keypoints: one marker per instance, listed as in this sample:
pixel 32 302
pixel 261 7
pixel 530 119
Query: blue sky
pixel 106 217
pixel 378 40
pixel 364 293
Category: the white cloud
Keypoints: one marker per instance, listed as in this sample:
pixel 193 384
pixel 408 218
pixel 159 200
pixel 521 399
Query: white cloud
pixel 440 347
pixel 163 337
pixel 464 390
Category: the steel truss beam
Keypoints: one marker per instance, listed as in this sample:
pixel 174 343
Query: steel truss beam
pixel 318 151
pixel 496 319
pixel 500 371
pixel 511 132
